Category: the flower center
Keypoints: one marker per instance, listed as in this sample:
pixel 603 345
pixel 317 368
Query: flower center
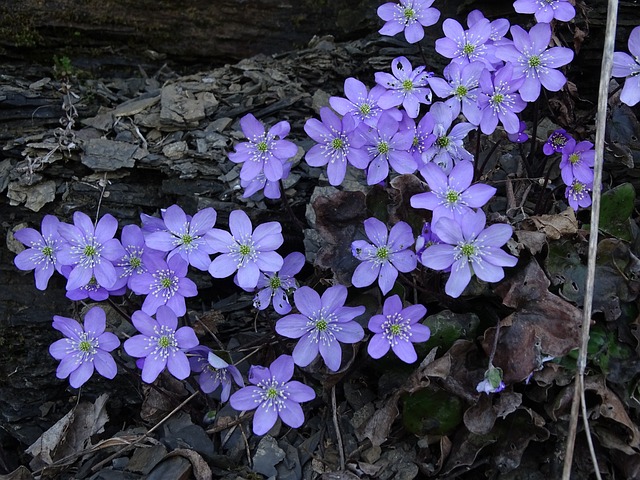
pixel 89 251
pixel 135 262
pixel 468 250
pixel 574 158
pixel 322 325
pixel 382 254
pixel 497 99
pixel 166 282
pixel 337 143
pixel 186 239
pixel 275 282
pixel 407 85
pixel 468 49
pixel 534 61
pixel 47 251
pixel 578 187
pixel 164 341
pixel 271 393
pixel 558 140
pixel 452 197
pixel 365 109
pixel 395 330
pixel 409 14
pixel 442 142
pixel 461 91
pixel 84 346
pixel 383 147
pixel 262 147
pixel 244 250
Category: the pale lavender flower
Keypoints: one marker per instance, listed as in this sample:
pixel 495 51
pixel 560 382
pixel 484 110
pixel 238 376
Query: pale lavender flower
pixel 499 27
pixel 499 100
pixel 466 46
pixel 397 329
pixel 448 147
pixel 97 292
pixel 265 151
pixel 278 285
pixel 42 250
pixel 425 240
pixel 546 10
pixel 520 136
pixel 406 87
pixel 246 251
pixel 556 142
pixel 625 65
pixel 360 103
pixel 137 253
pixel 335 145
pixel 577 194
pixel 451 195
pixel 423 136
pixel 274 395
pixel 84 348
pixel 468 248
pixel 161 343
pixel 389 253
pixel 532 59
pixel 461 84
pixel 492 382
pixel 90 251
pixel 577 162
pixel 213 371
pixel 385 145
pixel 260 182
pixel 322 324
pixel 164 283
pixel 410 15
pixel 185 235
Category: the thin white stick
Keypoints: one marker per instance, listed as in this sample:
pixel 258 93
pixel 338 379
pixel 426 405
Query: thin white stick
pixel 601 120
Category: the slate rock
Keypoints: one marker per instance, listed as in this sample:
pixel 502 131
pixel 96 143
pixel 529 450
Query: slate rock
pixel 103 155
pixel 267 456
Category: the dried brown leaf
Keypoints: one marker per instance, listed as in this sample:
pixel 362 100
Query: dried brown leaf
pixel 553 226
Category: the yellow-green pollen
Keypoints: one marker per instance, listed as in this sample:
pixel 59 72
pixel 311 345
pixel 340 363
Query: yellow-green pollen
pixel 468 49
pixel 47 251
pixel 578 187
pixel 382 253
pixel 534 61
pixel 442 142
pixel 395 329
pixel 574 158
pixel 187 239
pixel 468 250
pixel 416 142
pixel 85 346
pixel 383 147
pixel 409 14
pixel 90 251
pixel 407 85
pixel 461 91
pixel 164 342
pixel 244 250
pixel 322 325
pixel 452 196
pixel 275 282
pixel 497 99
pixel 262 147
pixel 337 144
pixel 271 393
pixel 166 282
pixel 365 109
pixel 135 262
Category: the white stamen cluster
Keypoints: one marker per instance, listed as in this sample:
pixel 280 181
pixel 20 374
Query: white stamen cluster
pixel 88 253
pixel 335 145
pixel 262 147
pixel 243 251
pixel 272 394
pixel 83 349
pixel 163 342
pixel 165 283
pixel 322 326
pixel 132 261
pixel 396 328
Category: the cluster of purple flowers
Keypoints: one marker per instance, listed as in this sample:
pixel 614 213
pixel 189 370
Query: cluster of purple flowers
pixel 576 166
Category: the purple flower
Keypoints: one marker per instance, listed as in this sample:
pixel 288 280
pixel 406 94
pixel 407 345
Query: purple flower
pixel 532 59
pixel 406 87
pixel 423 136
pixel 520 136
pixel 84 348
pixel 461 85
pixel 452 195
pixel 360 103
pixel 164 283
pixel 274 395
pixel 389 254
pixel 134 262
pixel 492 382
pixel 321 325
pixel 556 141
pixel 468 46
pixel 277 285
pixel 246 251
pixel 97 292
pixel 185 235
pixel 161 343
pixel 499 100
pixel 625 65
pixel 546 10
pixel 578 194
pixel 448 148
pixel 265 151
pixel 425 239
pixel 577 162
pixel 499 27
pixel 410 16
pixel 90 251
pixel 468 248
pixel 42 250
pixel 385 145
pixel 397 328
pixel 335 146
pixel 213 371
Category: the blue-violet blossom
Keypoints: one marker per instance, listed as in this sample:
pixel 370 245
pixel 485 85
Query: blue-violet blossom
pixel 42 249
pixel 278 285
pixel 625 65
pixel 406 87
pixel 213 371
pixel 410 15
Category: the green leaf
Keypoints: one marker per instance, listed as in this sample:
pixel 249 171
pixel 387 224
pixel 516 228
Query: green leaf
pixel 616 209
pixel 433 412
